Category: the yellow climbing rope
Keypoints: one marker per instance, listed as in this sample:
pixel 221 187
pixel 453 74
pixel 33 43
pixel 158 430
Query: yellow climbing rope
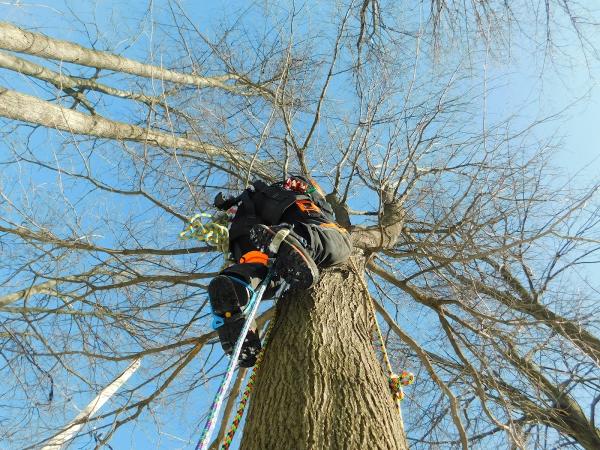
pixel 213 232
pixel 395 381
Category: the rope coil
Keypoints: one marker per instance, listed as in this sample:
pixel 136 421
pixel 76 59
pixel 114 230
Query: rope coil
pixel 397 381
pixel 213 232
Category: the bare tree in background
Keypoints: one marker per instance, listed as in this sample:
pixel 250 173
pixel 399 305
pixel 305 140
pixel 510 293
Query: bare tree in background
pixel 470 249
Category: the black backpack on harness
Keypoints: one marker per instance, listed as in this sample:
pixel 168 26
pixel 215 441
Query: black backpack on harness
pixel 263 203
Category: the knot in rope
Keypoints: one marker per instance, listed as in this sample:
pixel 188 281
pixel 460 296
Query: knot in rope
pixel 407 378
pixel 397 381
pixel 214 232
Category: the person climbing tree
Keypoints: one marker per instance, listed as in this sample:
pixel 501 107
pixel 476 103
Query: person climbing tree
pixel 295 206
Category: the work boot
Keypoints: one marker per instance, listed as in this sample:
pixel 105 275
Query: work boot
pixel 293 263
pixel 228 296
pixel 230 331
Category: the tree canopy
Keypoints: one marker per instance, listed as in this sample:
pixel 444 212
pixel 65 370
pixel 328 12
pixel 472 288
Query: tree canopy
pixel 121 121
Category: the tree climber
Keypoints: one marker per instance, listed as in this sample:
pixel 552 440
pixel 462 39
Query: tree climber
pixel 314 240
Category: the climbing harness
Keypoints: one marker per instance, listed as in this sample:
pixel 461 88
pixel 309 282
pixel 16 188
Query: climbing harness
pixel 252 308
pixel 213 232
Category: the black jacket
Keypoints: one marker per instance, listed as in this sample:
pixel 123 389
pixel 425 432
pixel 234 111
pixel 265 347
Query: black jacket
pixel 266 204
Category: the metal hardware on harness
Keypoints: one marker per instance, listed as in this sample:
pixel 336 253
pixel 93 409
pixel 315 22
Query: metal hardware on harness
pixel 278 239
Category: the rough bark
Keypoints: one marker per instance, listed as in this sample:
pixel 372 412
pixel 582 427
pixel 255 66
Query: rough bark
pixel 321 385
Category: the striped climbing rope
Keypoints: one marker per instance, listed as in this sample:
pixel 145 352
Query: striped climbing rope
pixel 395 381
pixel 252 308
pixel 228 439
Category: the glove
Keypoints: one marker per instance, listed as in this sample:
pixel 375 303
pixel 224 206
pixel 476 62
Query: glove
pixel 258 186
pixel 223 203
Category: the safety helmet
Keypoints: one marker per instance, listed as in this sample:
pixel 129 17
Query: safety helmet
pixel 302 185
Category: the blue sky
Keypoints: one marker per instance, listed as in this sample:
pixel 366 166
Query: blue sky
pixel 521 85
pixel 562 82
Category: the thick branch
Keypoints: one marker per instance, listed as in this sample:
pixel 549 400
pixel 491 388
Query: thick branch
pixel 48 288
pixel 18 40
pixel 568 415
pixel 340 209
pixel 569 329
pixel 64 82
pixel 386 234
pixel 26 108
pixel 47 237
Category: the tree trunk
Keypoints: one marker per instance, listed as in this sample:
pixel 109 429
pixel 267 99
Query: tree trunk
pixel 321 385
